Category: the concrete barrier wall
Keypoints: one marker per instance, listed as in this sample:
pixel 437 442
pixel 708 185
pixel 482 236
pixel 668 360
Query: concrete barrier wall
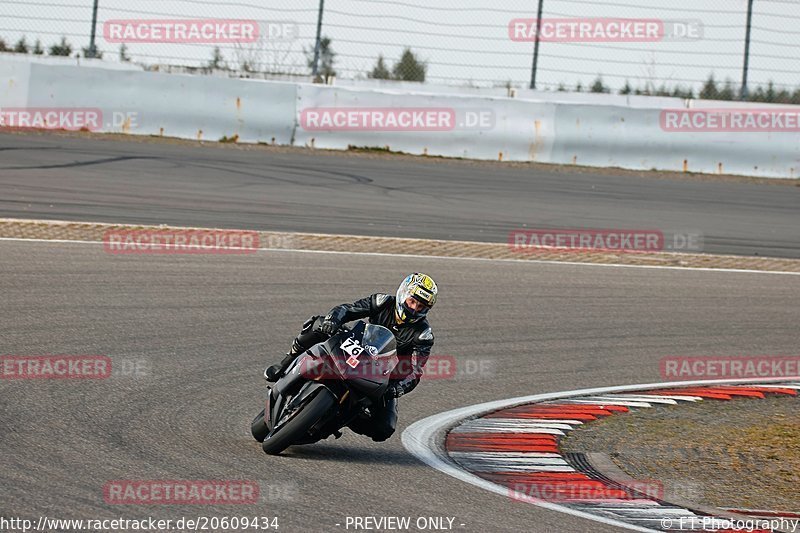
pixel 148 103
pixel 609 136
pixel 517 129
pixel 14 79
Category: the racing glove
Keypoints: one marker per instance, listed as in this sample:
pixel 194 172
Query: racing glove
pixel 330 325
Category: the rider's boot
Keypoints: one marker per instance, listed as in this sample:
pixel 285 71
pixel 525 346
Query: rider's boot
pixel 276 371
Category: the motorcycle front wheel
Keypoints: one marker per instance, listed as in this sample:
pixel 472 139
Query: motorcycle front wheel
pixel 297 427
pixel 259 427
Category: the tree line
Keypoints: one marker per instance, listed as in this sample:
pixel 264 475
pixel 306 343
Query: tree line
pixel 62 48
pixel 711 90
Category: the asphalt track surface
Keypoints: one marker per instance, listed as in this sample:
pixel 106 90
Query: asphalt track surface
pixel 204 326
pixel 123 181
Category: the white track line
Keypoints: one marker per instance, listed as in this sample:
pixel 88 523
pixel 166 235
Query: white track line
pixel 651 397
pixel 423 438
pixel 520 425
pixel 417 256
pixel 625 397
pixel 602 403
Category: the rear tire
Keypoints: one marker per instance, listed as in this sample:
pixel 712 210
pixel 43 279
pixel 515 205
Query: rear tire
pixel 259 427
pixel 297 427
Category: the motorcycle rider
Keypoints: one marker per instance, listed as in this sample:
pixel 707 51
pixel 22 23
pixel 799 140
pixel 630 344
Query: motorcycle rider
pixel 404 315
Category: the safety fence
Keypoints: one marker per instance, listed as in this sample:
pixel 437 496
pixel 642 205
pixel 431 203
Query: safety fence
pixel 708 137
pixel 663 47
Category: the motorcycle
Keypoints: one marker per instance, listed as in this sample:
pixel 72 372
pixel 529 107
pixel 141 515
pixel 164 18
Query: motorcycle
pixel 327 387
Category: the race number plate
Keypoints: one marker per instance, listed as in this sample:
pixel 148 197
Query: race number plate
pixel 353 348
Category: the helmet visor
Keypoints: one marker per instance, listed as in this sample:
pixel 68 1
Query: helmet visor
pixel 416 305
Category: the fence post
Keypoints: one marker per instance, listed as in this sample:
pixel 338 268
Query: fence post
pixel 536 45
pixel 315 67
pixel 92 51
pixel 743 95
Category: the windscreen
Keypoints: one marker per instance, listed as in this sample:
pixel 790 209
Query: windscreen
pixel 379 341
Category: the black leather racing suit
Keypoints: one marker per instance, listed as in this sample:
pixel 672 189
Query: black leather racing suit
pixel 414 343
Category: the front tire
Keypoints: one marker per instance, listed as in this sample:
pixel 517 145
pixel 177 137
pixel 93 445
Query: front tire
pixel 297 427
pixel 259 427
